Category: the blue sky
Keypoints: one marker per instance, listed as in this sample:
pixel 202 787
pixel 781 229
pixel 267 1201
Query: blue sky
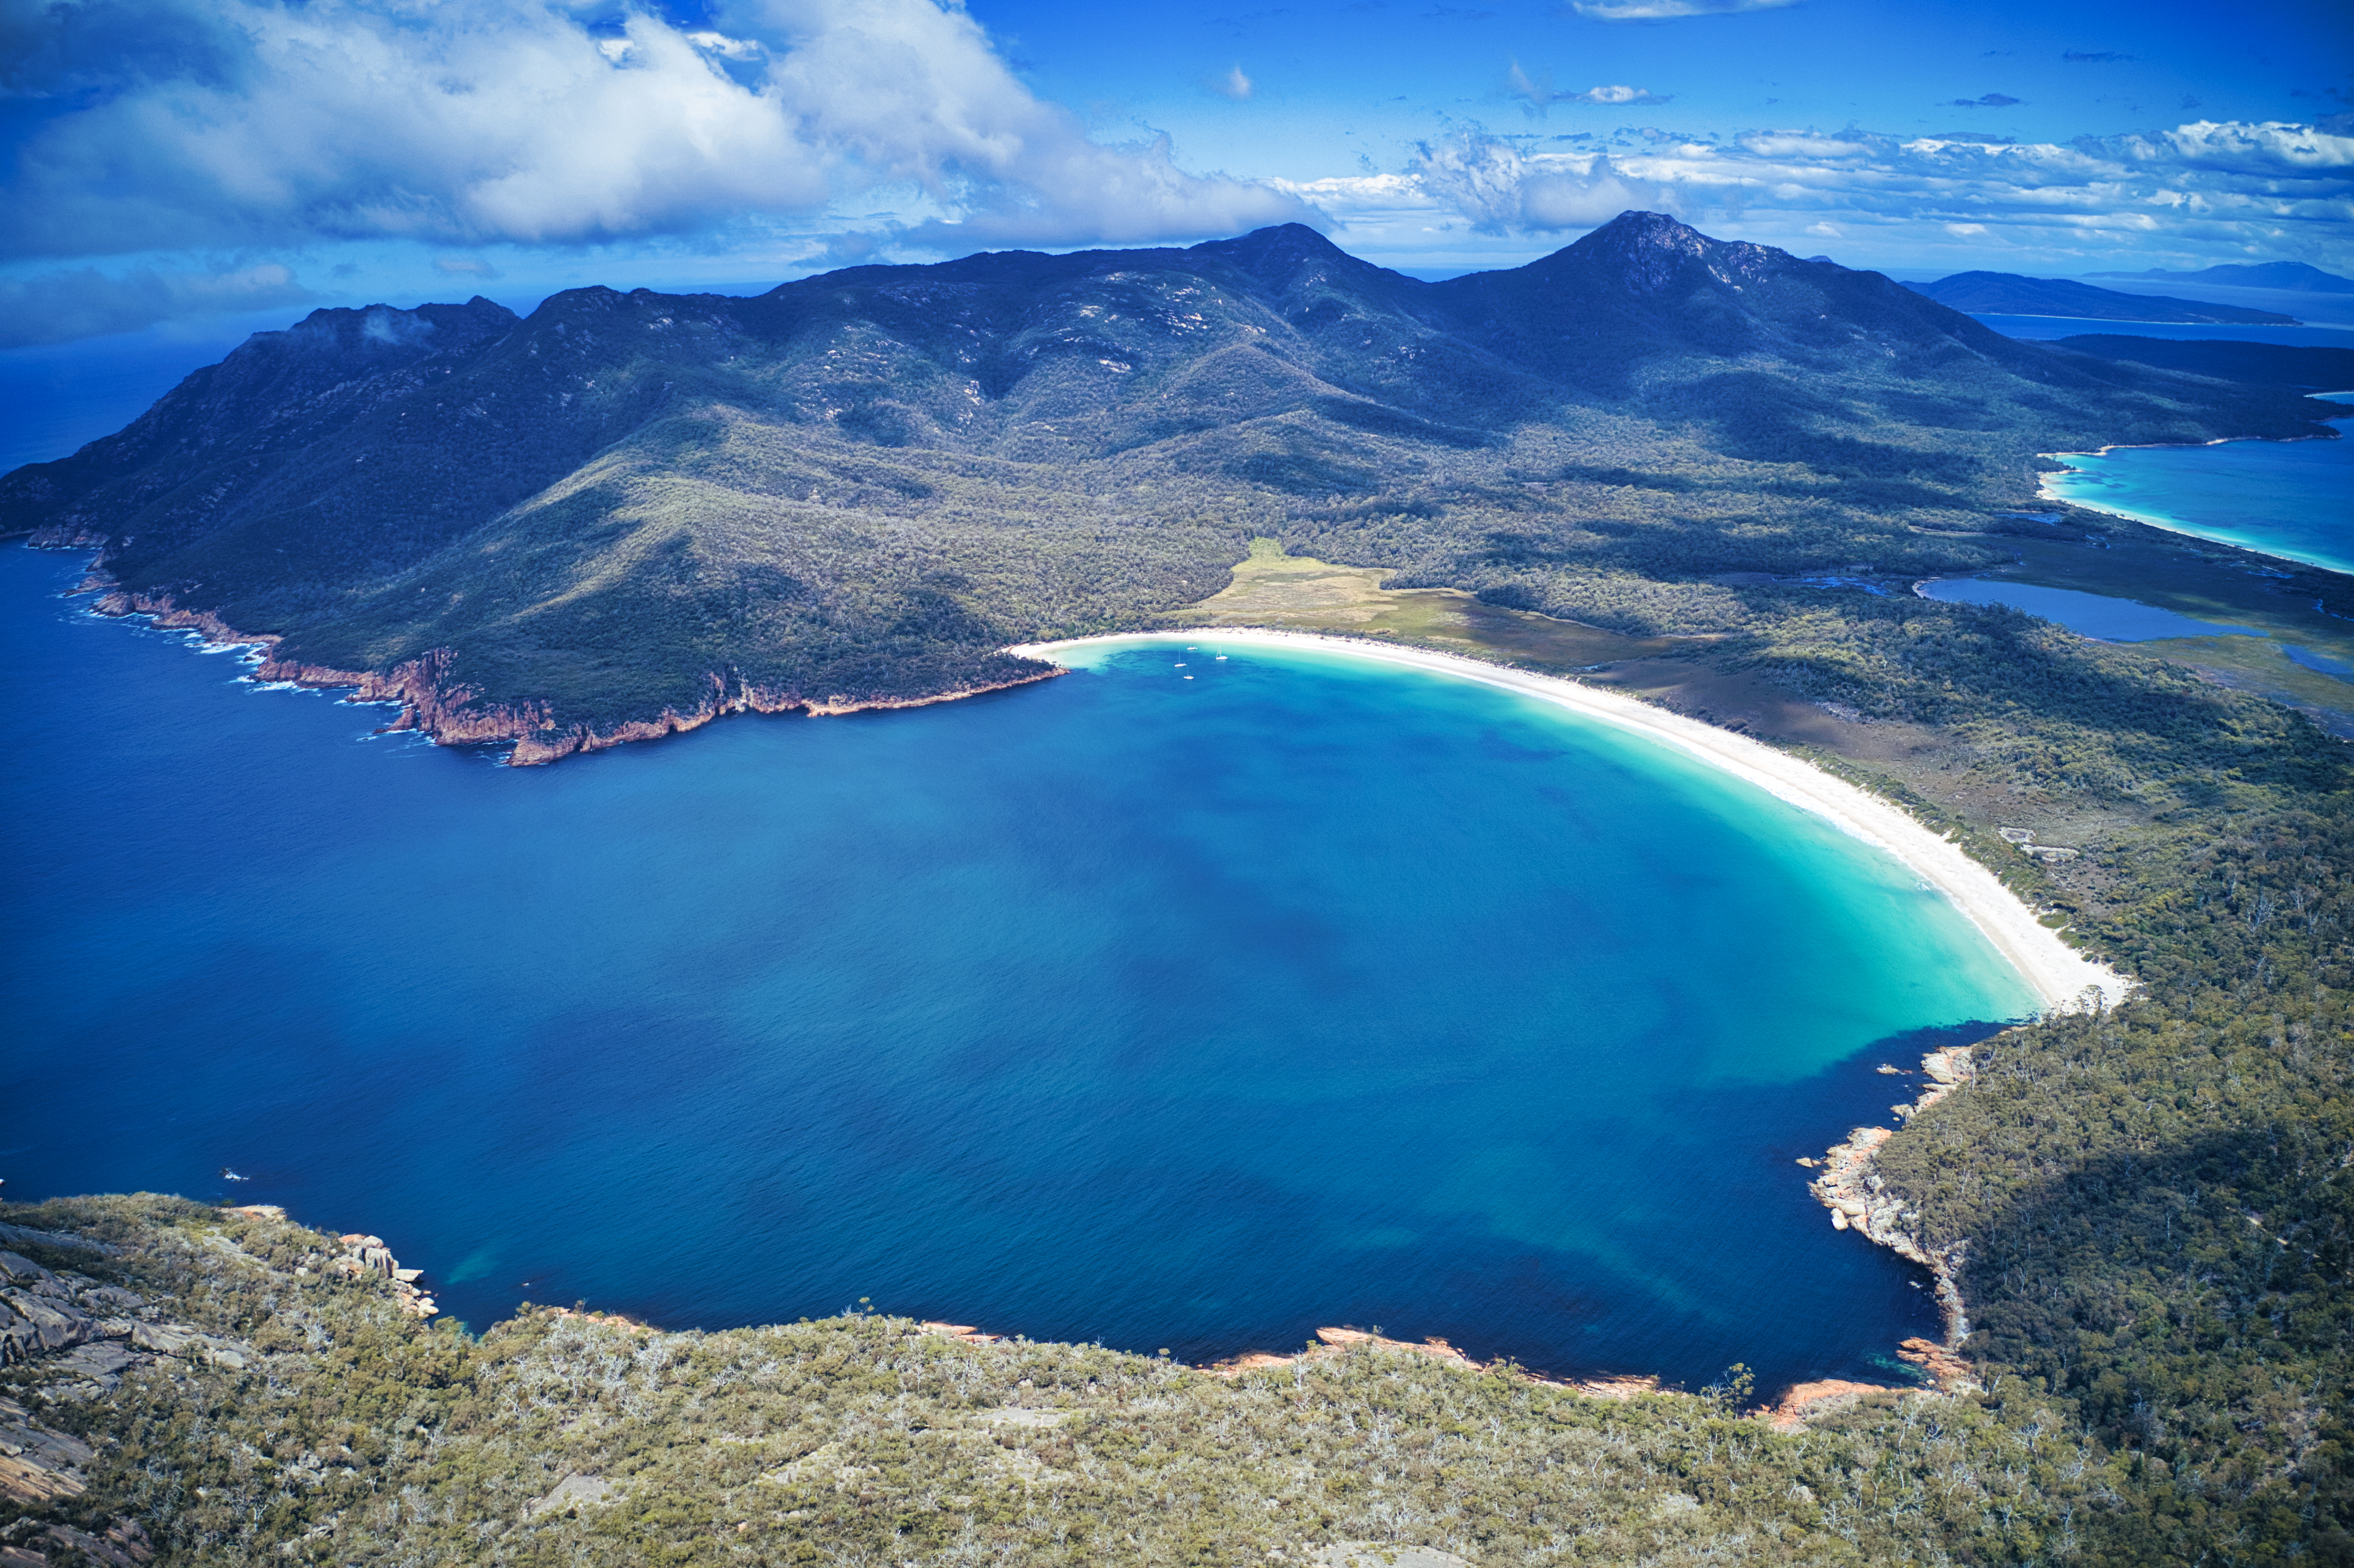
pixel 179 160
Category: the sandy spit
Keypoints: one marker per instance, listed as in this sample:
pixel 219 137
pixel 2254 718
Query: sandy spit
pixel 2059 974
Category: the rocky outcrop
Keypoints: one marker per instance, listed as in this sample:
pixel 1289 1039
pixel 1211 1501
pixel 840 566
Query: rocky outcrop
pixel 368 1255
pixel 1859 1200
pixel 124 1545
pixel 20 1235
pixel 164 612
pixel 1335 1342
pixel 39 1315
pixel 81 1336
pixel 551 742
pixel 1806 1400
pixel 38 1465
pixel 435 704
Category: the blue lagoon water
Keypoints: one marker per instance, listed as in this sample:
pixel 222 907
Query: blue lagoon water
pixel 2290 499
pixel 2104 616
pixel 1166 1012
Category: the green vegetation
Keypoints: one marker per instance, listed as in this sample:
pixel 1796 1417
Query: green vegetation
pixel 863 486
pixel 356 1436
pixel 1708 469
pixel 2275 365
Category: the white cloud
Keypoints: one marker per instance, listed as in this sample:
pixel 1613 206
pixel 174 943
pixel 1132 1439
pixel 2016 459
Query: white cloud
pixel 1538 92
pixel 1234 85
pixel 59 307
pixel 509 121
pixel 725 48
pixel 1505 191
pixel 2282 188
pixel 1663 10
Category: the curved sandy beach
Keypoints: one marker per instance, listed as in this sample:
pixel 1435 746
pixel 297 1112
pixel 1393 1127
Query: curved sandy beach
pixel 2059 974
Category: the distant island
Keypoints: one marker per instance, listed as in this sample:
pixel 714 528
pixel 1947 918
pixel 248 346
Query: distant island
pixel 2297 275
pixel 629 514
pixel 2267 364
pixel 2008 294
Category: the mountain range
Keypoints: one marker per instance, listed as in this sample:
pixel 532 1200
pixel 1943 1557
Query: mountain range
pixel 629 511
pixel 2297 275
pixel 2008 294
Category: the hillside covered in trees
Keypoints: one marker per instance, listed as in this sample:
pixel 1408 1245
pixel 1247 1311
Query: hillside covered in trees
pixel 841 490
pixel 859 487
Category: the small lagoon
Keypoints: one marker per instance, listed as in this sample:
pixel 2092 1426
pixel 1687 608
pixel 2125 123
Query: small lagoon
pixel 2110 619
pixel 1170 1013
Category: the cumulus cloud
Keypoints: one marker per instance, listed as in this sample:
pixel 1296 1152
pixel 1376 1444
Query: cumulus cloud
pixel 1662 10
pixel 267 121
pixel 2279 188
pixel 60 306
pixel 1234 85
pixel 1621 95
pixel 1538 93
pixel 1503 190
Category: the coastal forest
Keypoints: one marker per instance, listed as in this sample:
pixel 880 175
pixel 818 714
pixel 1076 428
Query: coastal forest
pixel 644 510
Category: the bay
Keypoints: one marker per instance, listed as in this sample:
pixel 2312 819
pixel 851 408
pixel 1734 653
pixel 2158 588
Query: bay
pixel 1172 1012
pixel 2290 499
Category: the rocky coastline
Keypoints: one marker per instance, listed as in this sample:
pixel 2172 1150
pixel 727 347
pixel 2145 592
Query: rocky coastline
pixel 79 1338
pixel 434 704
pixel 1859 1200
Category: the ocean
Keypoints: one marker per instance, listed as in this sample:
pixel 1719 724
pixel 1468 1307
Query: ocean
pixel 2290 499
pixel 1169 1008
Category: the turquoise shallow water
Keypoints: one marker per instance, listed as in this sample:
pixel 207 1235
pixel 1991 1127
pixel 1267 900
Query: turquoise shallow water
pixel 2290 499
pixel 1171 1012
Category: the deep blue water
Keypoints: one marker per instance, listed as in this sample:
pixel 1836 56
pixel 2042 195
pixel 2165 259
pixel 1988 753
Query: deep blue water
pixel 2098 615
pixel 2310 333
pixel 1175 1012
pixel 2290 499
pixel 56 396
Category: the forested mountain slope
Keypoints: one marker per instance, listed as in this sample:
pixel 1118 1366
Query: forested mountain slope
pixel 858 487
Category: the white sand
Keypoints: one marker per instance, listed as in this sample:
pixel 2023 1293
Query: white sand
pixel 2059 974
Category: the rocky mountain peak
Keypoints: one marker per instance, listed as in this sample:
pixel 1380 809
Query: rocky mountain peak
pixel 1646 254
pixel 1277 255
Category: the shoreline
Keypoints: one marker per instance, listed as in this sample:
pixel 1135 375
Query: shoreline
pixel 2056 972
pixel 442 710
pixel 2043 490
pixel 1859 1201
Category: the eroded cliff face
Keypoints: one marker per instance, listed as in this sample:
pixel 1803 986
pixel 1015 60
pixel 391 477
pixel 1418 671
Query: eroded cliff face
pixel 434 703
